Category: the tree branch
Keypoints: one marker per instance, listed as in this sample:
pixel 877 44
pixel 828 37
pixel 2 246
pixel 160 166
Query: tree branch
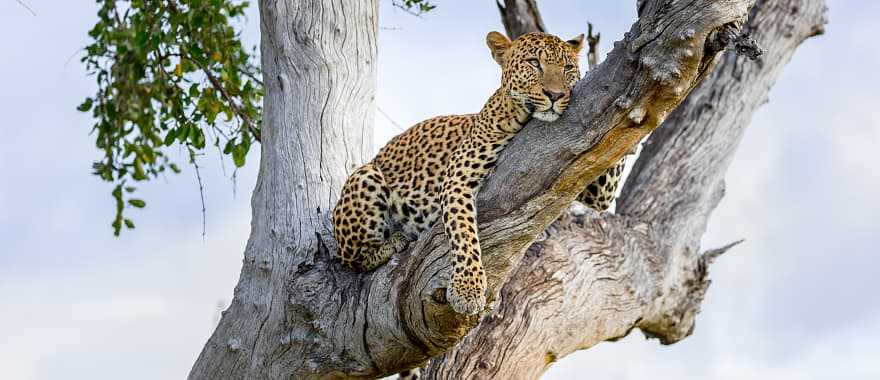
pixel 593 278
pixel 26 7
pixel 397 314
pixel 520 17
pixel 593 43
pixel 297 314
pixel 248 123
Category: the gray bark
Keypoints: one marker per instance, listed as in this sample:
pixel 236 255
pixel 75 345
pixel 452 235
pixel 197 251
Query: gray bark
pixel 297 314
pixel 520 17
pixel 319 70
pixel 593 278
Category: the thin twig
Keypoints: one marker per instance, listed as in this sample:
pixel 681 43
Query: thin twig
pixel 407 10
pixel 712 254
pixel 593 43
pixel 252 77
pixel 402 129
pixel 219 87
pixel 72 55
pixel 192 160
pixel 222 165
pixel 26 7
pixel 234 183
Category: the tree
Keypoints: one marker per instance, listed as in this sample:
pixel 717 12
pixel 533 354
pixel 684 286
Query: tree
pixel 297 314
pixel 168 73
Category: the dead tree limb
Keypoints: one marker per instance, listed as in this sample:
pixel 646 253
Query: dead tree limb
pixel 592 278
pixel 520 17
pixel 297 314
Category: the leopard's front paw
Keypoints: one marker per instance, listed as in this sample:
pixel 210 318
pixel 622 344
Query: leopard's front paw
pixel 398 241
pixel 466 299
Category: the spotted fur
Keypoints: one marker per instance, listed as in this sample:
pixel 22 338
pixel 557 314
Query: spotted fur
pixel 435 168
pixel 599 194
pixel 410 374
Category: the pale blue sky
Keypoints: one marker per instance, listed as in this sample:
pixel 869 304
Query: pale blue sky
pixel 797 300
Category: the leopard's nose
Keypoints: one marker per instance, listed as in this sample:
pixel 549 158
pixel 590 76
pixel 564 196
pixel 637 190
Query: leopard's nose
pixel 554 95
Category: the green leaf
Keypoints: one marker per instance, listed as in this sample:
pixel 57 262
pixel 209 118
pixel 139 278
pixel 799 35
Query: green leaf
pixel 194 90
pixel 198 138
pixel 85 106
pixel 137 203
pixel 238 155
pixel 129 223
pixel 138 174
pixel 183 133
pixel 170 136
pixel 141 39
pixel 229 146
pixel 150 61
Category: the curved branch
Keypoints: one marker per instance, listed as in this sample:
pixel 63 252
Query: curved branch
pixel 397 315
pixel 298 314
pixel 594 278
pixel 520 17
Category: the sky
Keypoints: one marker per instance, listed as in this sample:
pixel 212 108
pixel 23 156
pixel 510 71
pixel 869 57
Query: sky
pixel 797 300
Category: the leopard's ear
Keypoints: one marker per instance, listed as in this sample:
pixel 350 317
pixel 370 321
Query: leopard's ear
pixel 576 43
pixel 498 45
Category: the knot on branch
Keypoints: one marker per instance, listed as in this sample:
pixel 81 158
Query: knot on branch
pixel 730 35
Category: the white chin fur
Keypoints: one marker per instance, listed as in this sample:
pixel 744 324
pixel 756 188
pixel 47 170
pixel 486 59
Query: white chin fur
pixel 548 116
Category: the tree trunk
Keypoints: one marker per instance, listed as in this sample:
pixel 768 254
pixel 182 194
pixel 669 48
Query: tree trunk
pixel 319 70
pixel 297 314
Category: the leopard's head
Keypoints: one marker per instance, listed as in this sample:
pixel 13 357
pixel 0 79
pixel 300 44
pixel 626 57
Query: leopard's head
pixel 537 70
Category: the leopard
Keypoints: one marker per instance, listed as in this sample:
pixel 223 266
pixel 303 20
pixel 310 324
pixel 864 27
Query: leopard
pixel 601 193
pixel 433 171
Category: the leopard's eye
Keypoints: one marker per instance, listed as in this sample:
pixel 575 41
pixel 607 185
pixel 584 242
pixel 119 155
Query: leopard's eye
pixel 535 63
pixel 569 67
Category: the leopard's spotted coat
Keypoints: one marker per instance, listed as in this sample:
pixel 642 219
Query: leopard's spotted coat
pixel 435 168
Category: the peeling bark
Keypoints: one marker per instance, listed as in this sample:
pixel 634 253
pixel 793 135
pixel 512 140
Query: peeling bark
pixel 297 314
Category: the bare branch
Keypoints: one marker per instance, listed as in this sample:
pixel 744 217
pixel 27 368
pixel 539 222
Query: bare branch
pixel 520 17
pixel 248 123
pixel 192 160
pixel 593 43
pixel 394 123
pixel 712 254
pixel 20 2
pixel 296 314
pixel 601 276
pixel 395 311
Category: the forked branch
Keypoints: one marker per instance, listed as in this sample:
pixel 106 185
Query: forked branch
pixel 591 278
pixel 399 312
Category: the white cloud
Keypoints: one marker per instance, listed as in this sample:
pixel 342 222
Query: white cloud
pixel 150 307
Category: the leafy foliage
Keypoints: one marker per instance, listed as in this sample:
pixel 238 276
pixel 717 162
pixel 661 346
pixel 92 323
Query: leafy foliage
pixel 172 74
pixel 415 7
pixel 169 72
